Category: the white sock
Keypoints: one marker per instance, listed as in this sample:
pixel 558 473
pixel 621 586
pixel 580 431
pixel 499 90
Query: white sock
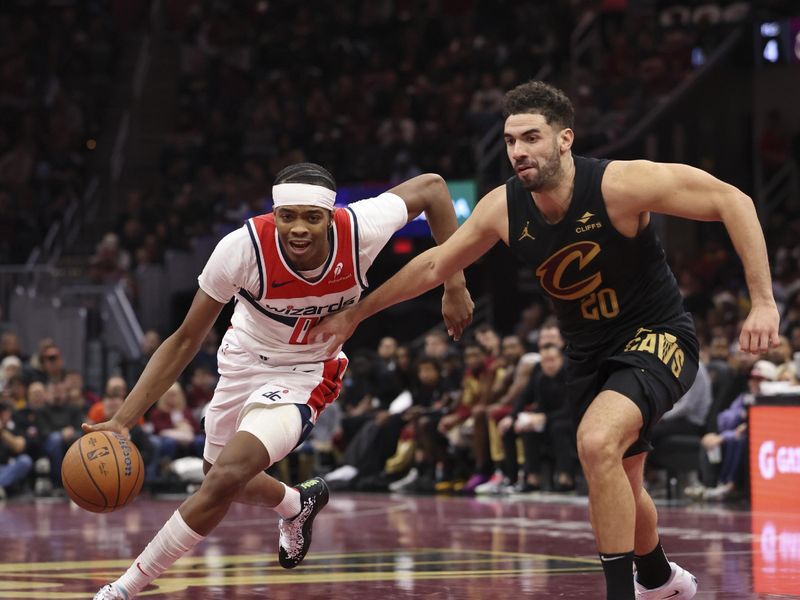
pixel 290 505
pixel 174 540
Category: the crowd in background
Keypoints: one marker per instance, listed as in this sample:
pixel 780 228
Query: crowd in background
pixel 56 73
pixel 415 85
pixel 487 415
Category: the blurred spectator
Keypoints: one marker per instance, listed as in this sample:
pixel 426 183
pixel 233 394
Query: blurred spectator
pixel 150 343
pixel 110 262
pixel 387 384
pixel 116 390
pixel 200 390
pixel 50 367
pixel 14 463
pixel 430 401
pixel 458 424
pixel 728 444
pixel 516 367
pixel 177 431
pixel 543 420
pixel 485 105
pixel 29 421
pixel 15 393
pixel 61 426
pixel 79 395
pixel 10 346
pixel 488 338
pixel 10 367
pixel 357 400
pixel 531 321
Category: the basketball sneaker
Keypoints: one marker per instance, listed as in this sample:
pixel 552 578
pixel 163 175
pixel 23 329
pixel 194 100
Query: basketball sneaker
pixel 681 585
pixel 295 533
pixel 111 592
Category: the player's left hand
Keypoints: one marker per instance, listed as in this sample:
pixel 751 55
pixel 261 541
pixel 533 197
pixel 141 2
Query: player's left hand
pixel 760 329
pixel 457 307
pixel 334 329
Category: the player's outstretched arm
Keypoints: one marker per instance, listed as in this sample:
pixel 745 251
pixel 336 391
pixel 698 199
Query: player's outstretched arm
pixel 428 193
pixel 683 191
pixel 481 231
pixel 166 364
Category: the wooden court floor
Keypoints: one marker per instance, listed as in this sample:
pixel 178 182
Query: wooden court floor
pixel 387 547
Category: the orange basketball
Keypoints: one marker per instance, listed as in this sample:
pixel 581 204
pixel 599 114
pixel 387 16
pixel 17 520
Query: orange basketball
pixel 102 471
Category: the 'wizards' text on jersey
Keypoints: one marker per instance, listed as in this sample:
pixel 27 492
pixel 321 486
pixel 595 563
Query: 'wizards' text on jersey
pixel 292 303
pixel 604 286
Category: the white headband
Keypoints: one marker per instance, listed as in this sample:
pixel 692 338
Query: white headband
pixel 302 193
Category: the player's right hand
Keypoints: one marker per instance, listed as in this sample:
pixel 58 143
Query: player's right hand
pixel 110 425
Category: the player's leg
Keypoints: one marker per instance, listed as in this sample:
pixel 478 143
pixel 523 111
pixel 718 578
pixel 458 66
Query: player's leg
pixel 656 577
pixel 280 428
pixel 607 429
pixel 259 491
pixel 239 462
pixel 646 533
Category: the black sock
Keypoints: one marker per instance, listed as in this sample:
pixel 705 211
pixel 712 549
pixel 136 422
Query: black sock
pixel 652 569
pixel 618 569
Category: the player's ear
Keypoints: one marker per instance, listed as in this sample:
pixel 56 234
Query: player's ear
pixel 565 138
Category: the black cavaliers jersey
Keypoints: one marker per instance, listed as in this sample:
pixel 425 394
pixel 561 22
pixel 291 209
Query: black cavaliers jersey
pixel 603 285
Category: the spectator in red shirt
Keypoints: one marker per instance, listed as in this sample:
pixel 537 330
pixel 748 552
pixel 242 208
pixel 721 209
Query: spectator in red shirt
pixel 177 431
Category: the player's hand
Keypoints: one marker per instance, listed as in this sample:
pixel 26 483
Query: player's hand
pixel 760 330
pixel 110 425
pixel 335 330
pixel 457 307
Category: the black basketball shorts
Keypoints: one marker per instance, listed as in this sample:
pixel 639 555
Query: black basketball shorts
pixel 654 368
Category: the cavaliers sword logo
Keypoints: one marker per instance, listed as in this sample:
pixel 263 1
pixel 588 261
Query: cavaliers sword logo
pixel 578 255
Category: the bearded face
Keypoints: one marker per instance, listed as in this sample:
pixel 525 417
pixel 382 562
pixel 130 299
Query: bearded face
pixel 534 149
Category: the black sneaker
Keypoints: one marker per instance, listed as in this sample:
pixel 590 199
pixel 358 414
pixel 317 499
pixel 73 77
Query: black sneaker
pixel 295 533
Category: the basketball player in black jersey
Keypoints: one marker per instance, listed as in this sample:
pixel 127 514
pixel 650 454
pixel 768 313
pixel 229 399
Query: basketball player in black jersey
pixel 583 226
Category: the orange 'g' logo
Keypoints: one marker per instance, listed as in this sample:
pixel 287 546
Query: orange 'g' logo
pixel 552 270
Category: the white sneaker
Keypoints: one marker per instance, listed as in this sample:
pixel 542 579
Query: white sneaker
pixel 497 484
pixel 405 482
pixel 111 592
pixel 681 585
pixel 343 473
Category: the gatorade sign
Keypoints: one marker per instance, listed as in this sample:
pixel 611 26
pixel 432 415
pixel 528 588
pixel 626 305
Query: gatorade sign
pixel 775 457
pixel 775 491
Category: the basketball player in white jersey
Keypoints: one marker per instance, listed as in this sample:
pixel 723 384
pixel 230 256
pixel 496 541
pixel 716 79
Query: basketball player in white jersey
pixel 287 270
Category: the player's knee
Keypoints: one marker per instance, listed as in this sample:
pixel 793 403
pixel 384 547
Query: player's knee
pixel 597 447
pixel 224 480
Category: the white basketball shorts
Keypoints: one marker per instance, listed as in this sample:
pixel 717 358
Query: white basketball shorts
pixel 245 380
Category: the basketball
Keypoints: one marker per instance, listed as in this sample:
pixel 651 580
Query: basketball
pixel 102 471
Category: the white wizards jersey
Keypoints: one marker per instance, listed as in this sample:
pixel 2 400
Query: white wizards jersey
pixel 277 306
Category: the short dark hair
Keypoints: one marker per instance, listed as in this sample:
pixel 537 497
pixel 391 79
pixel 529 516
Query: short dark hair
pixel 542 98
pixel 427 360
pixel 307 172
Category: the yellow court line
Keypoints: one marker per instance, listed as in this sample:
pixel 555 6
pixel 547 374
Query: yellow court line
pixel 169 585
pixel 245 558
pixel 348 567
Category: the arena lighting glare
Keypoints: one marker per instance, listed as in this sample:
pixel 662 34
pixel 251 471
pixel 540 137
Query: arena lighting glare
pixel 771 53
pixel 770 30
